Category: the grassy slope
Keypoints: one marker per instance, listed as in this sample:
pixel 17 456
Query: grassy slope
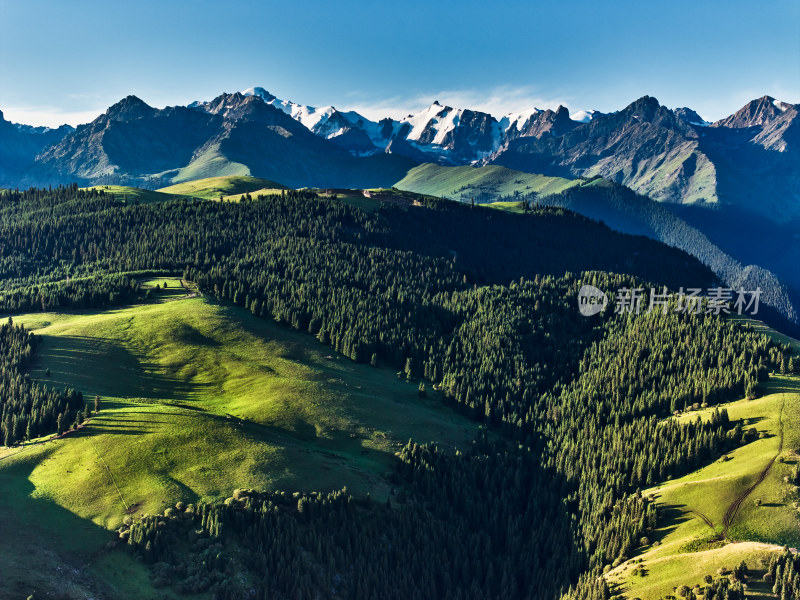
pixel 711 490
pixel 232 187
pixel 133 193
pixel 210 163
pixel 663 174
pixel 168 374
pixel 516 206
pixel 214 187
pixel 463 183
pixel 254 194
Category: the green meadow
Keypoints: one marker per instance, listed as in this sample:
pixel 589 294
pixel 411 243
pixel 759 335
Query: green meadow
pixel 197 398
pixel 464 183
pixel 133 194
pixel 212 188
pixel 692 540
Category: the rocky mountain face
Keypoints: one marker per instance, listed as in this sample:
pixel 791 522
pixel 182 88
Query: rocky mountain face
pixel 687 115
pixel 19 146
pixel 440 134
pixel 750 160
pixel 130 141
pixel 137 144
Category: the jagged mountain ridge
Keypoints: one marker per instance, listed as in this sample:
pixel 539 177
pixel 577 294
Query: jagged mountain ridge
pixel 749 159
pixel 20 144
pixel 232 134
pixel 437 133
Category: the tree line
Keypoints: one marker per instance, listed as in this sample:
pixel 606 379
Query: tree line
pixel 28 409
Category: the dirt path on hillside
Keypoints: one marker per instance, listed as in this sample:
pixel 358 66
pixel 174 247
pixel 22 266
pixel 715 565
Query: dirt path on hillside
pixel 705 519
pixel 190 293
pixel 733 509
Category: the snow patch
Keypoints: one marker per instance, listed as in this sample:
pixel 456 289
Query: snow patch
pixel 518 120
pixel 315 119
pixel 583 116
pixel 260 92
pixel 781 106
pixel 321 121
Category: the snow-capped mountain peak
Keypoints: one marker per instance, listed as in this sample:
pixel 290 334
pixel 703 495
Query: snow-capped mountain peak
pixel 260 92
pixel 313 118
pixel 326 121
pixel 431 125
pixel 438 132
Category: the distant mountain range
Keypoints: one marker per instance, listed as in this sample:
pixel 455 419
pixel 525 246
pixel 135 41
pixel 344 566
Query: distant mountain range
pixel 440 134
pixel 735 181
pixel 134 143
pixel 750 159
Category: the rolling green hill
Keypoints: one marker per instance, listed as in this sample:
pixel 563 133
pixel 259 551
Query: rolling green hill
pixel 740 508
pixel 196 397
pixel 189 363
pixel 212 188
pixel 131 194
pixel 482 183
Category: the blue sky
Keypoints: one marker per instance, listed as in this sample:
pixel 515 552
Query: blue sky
pixel 68 61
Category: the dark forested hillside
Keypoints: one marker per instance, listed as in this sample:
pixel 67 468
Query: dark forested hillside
pixel 725 240
pixel 28 409
pixel 478 303
pixel 742 249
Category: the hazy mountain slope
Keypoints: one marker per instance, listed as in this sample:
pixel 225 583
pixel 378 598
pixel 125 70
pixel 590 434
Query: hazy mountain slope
pixel 757 153
pixel 748 160
pixel 624 210
pixel 131 141
pixel 617 206
pixel 19 145
pixel 745 234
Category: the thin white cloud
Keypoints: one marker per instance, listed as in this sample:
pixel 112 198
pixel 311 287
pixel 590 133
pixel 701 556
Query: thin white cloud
pixel 48 116
pixel 498 101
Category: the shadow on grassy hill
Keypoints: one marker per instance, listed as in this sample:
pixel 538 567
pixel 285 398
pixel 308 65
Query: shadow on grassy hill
pixel 39 533
pixel 102 366
pixel 670 517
